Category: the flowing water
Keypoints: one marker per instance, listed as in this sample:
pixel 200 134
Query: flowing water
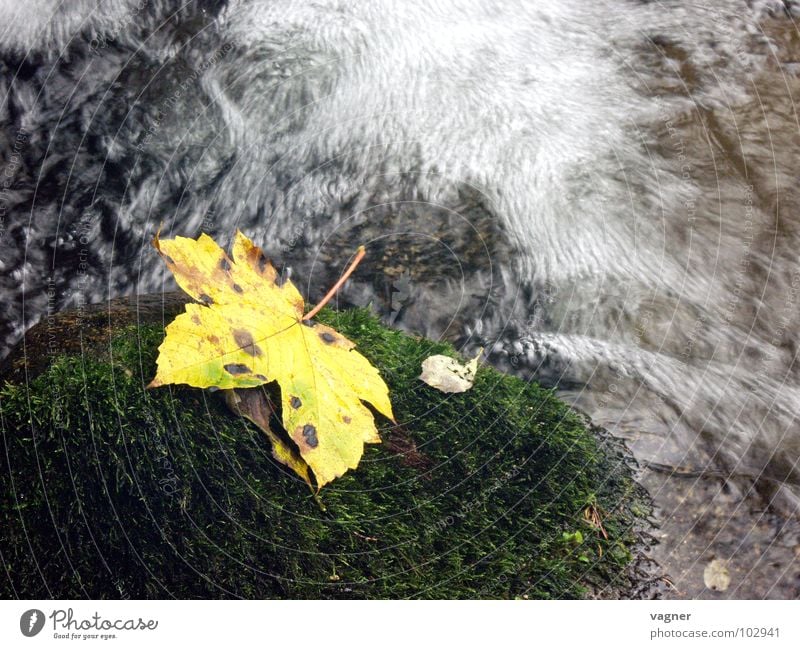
pixel 603 195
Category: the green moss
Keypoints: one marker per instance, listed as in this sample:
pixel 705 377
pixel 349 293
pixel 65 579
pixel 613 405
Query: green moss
pixel 114 491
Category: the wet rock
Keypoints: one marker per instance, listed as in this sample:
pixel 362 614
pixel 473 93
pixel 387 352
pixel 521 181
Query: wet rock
pixel 114 491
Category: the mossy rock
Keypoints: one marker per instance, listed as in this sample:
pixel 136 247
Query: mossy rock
pixel 110 490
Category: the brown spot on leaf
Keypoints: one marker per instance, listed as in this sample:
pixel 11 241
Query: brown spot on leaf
pixel 196 319
pixel 327 337
pixel 310 435
pixel 295 402
pixel 206 299
pixel 224 264
pixel 346 419
pixel 246 343
pixel 261 261
pixel 237 288
pixel 213 339
pixel 236 368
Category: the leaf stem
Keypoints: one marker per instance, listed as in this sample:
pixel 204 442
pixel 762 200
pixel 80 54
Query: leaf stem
pixel 359 256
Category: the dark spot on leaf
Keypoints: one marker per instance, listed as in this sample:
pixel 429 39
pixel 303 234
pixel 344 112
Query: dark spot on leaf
pixel 295 402
pixel 261 262
pixel 224 264
pixel 237 368
pixel 346 419
pixel 245 341
pixel 261 377
pixel 238 288
pixel 310 435
pixel 206 299
pixel 213 339
pixel 196 319
pixel 327 337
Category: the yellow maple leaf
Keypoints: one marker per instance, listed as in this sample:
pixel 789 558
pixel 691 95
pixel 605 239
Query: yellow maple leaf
pixel 249 330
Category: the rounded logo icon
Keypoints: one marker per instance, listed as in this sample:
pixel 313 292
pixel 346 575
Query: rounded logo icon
pixel 31 622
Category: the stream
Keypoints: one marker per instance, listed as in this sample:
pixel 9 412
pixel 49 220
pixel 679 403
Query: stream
pixel 603 197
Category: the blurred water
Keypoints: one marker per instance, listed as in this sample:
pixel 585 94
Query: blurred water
pixel 604 195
